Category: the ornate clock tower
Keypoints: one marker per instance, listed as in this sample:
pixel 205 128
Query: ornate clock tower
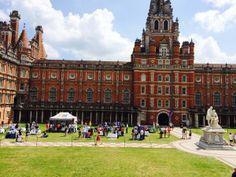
pixel 163 70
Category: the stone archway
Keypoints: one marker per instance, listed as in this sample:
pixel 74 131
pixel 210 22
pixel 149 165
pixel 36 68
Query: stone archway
pixel 163 119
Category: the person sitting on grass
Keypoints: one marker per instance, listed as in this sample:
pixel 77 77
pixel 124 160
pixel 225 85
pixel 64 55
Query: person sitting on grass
pixel 44 135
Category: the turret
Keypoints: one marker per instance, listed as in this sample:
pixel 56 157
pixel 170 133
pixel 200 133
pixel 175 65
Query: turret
pixel 192 48
pixel 176 46
pixel 185 48
pixel 14 20
pixel 5 34
pixel 137 46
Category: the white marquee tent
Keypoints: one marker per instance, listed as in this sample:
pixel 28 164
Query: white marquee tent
pixel 64 116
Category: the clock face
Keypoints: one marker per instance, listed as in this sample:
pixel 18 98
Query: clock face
pixel 152 61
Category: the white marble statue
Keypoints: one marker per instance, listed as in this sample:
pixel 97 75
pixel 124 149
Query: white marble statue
pixel 212 118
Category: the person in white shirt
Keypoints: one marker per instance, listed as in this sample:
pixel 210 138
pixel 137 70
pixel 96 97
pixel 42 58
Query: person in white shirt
pixel 235 138
pixel 231 138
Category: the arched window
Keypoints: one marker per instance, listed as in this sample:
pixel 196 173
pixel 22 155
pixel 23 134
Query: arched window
pixel 198 99
pixel 234 99
pixel 159 78
pixel 34 94
pixel 156 25
pixel 167 78
pixel 166 25
pixel 143 77
pixel 53 95
pixel 90 95
pixel 216 99
pixel 184 78
pixel 71 95
pixel 108 96
pixel 126 97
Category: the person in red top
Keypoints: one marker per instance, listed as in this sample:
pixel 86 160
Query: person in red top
pixel 98 139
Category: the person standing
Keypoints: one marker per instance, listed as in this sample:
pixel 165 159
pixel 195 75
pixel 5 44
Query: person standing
pixel 190 134
pixel 231 138
pixel 234 173
pixel 235 138
pixel 127 128
pixel 168 131
pixel 98 139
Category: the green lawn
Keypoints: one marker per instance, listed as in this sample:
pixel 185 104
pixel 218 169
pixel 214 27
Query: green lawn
pixel 107 162
pixel 226 135
pixel 60 137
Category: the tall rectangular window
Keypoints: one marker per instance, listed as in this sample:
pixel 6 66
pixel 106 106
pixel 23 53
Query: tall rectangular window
pixel 184 91
pixel 143 103
pixel 159 104
pixel 216 98
pixel 167 90
pixel 184 104
pixel 143 89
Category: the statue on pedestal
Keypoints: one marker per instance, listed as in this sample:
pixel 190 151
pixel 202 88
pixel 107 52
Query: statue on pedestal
pixel 212 118
pixel 213 134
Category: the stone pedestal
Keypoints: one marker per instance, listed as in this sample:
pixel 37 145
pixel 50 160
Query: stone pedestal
pixel 213 139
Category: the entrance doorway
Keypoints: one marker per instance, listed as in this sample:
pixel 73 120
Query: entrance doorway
pixel 163 119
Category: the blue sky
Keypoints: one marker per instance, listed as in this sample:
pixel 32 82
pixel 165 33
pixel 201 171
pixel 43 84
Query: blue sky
pixel 106 29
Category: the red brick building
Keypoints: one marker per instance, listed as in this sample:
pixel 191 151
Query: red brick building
pixel 161 84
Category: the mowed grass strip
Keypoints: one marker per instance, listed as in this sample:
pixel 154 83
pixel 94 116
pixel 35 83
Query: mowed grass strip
pixel 106 162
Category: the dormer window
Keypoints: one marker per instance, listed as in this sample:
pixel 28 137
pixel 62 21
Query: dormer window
pixel 166 25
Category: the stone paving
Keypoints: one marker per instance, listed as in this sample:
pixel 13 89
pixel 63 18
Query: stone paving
pixel 189 145
pixel 84 144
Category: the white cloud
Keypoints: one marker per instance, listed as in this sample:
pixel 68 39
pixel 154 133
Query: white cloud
pixel 217 20
pixel 90 36
pixel 52 51
pixel 3 16
pixel 221 3
pixel 207 50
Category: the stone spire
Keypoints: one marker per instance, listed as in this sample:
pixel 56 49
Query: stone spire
pixel 160 8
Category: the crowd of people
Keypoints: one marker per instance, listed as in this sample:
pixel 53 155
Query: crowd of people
pixel 114 130
pixel 16 131
pixel 61 127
